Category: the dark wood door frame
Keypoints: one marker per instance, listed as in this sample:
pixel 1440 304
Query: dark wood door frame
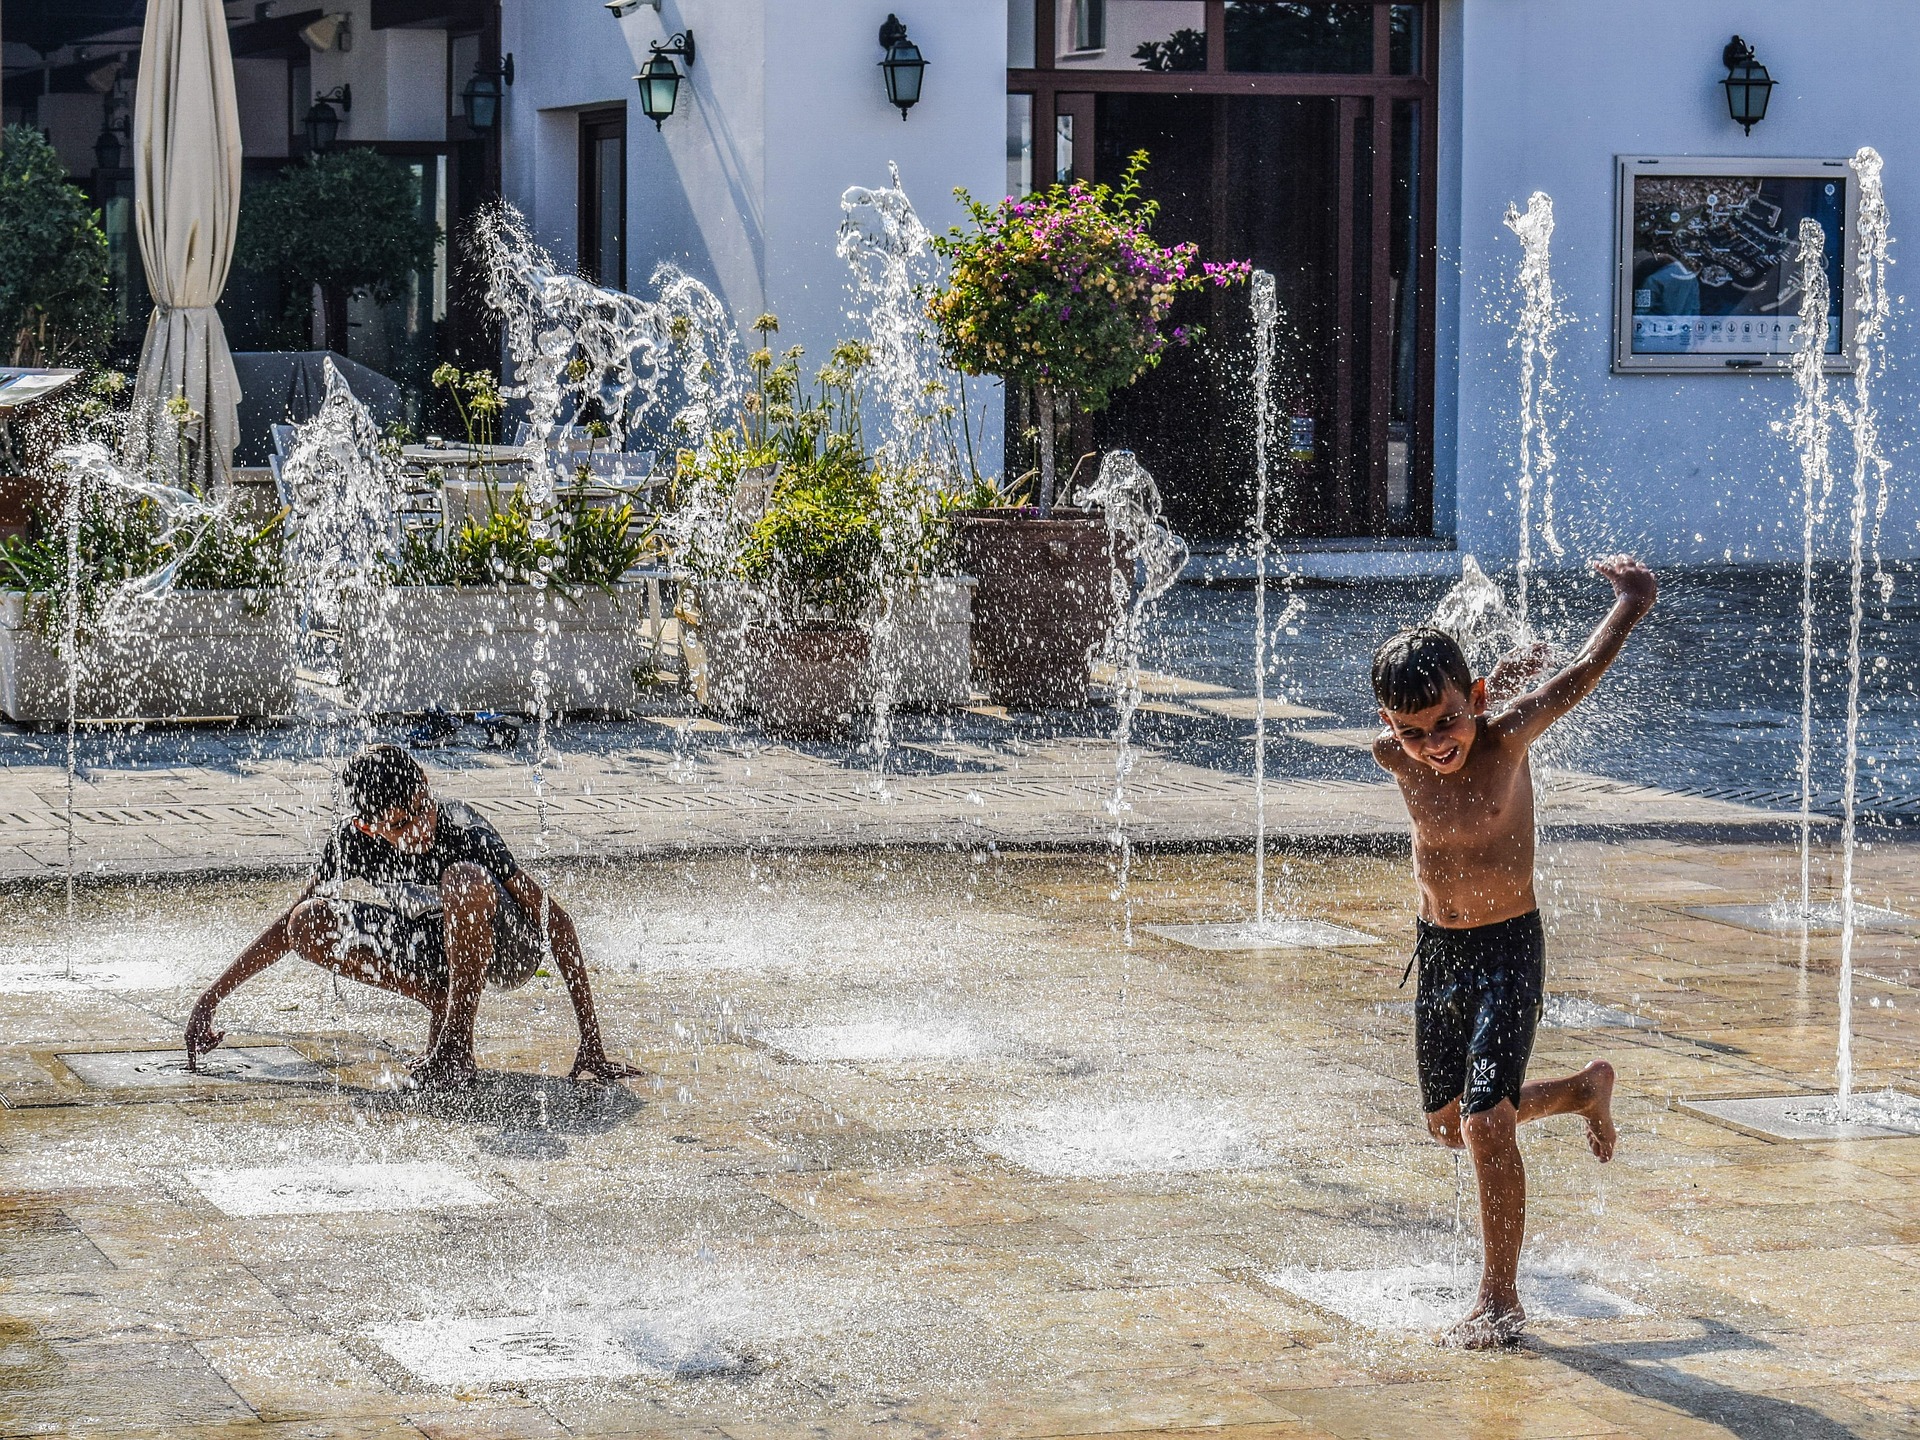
pixel 602 123
pixel 1058 91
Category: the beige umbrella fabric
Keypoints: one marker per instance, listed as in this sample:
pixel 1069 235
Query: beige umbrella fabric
pixel 186 161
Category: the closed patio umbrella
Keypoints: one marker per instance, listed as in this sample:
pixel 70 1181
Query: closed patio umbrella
pixel 186 161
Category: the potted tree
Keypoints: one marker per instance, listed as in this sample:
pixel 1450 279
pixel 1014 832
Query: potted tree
pixel 340 222
pixel 1066 292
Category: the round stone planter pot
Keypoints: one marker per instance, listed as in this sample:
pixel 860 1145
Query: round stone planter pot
pixel 1043 603
pixel 811 684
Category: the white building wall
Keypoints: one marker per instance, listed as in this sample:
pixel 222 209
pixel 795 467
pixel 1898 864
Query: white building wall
pixel 783 109
pixel 1543 97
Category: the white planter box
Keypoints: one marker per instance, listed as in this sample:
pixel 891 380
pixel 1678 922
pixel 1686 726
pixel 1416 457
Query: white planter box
pixel 927 647
pixel 188 654
pixel 413 647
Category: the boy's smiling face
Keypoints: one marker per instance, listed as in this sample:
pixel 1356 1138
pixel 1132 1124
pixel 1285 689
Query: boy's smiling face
pixel 1442 735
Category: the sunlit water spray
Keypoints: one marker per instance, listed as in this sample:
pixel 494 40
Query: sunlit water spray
pixel 1138 538
pixel 1811 430
pixel 667 368
pixel 1533 336
pixel 1870 472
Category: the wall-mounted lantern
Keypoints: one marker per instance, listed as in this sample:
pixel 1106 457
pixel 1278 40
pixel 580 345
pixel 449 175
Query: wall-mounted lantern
pixel 904 67
pixel 1749 86
pixel 660 80
pixel 323 121
pixel 107 149
pixel 485 89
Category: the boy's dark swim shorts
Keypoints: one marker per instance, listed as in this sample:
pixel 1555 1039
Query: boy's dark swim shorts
pixel 418 946
pixel 1477 1006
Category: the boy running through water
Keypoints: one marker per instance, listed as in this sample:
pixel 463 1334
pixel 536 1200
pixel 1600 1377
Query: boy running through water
pixel 420 897
pixel 1465 776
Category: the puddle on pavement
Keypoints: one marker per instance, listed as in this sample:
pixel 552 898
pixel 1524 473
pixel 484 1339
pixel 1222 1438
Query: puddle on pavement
pixel 1091 1141
pixel 1783 918
pixel 877 1040
pixel 1423 1299
pixel 514 1349
pixel 1881 1115
pixel 334 1189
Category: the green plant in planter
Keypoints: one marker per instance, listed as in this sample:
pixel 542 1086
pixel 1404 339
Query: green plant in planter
pixel 55 307
pixel 836 528
pixel 476 399
pixel 126 540
pixel 587 545
pixel 1067 291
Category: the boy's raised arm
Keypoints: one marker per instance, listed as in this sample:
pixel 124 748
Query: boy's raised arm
pixel 1634 589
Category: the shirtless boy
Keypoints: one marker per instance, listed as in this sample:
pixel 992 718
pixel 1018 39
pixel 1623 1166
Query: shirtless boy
pixel 1465 776
pixel 421 897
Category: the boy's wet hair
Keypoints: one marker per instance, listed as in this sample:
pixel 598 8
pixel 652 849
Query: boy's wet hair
pixel 380 778
pixel 1413 670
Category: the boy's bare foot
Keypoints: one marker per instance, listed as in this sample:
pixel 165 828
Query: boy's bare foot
pixel 1490 1325
pixel 1597 1081
pixel 443 1072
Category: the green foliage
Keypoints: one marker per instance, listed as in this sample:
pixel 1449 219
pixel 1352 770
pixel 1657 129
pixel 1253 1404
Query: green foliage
pixel 585 545
pixel 476 398
pixel 1184 49
pixel 1067 288
pixel 346 220
pixel 55 308
pixel 835 527
pixel 123 540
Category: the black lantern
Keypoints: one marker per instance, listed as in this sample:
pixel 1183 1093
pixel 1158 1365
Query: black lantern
pixel 904 67
pixel 323 121
pixel 660 80
pixel 480 101
pixel 1749 86
pixel 106 149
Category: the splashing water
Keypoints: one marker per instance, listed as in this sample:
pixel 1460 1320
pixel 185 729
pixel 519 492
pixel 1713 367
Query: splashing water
pixel 667 367
pixel 891 263
pixel 90 468
pixel 1533 335
pixel 1266 321
pixel 1475 612
pixel 1869 358
pixel 1811 432
pixel 1137 536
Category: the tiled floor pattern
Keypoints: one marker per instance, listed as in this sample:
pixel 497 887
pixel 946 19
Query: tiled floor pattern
pixel 927 1150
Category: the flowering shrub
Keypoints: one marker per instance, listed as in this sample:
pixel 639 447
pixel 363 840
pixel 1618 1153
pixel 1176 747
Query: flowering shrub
pixel 1066 290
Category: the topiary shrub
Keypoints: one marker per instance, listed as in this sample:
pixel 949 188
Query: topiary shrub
pixel 347 221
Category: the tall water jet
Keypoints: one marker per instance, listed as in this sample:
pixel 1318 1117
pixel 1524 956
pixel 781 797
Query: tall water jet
pixel 1540 317
pixel 1872 307
pixel 1266 320
pixel 1810 430
pixel 1138 539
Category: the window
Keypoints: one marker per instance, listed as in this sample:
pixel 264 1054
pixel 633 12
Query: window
pixel 1089 24
pixel 1062 149
pixel 603 197
pixel 1019 145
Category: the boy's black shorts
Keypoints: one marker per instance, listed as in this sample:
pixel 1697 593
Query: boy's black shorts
pixel 419 948
pixel 1477 1006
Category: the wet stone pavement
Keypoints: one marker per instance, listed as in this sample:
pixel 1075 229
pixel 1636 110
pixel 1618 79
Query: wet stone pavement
pixel 926 1149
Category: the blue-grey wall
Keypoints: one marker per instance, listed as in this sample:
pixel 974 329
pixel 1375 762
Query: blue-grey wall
pixel 1543 95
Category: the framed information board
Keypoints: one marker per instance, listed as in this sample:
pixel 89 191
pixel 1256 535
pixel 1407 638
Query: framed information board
pixel 1708 274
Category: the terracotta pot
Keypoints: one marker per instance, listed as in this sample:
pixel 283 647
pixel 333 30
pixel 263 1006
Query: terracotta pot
pixel 812 684
pixel 1043 606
